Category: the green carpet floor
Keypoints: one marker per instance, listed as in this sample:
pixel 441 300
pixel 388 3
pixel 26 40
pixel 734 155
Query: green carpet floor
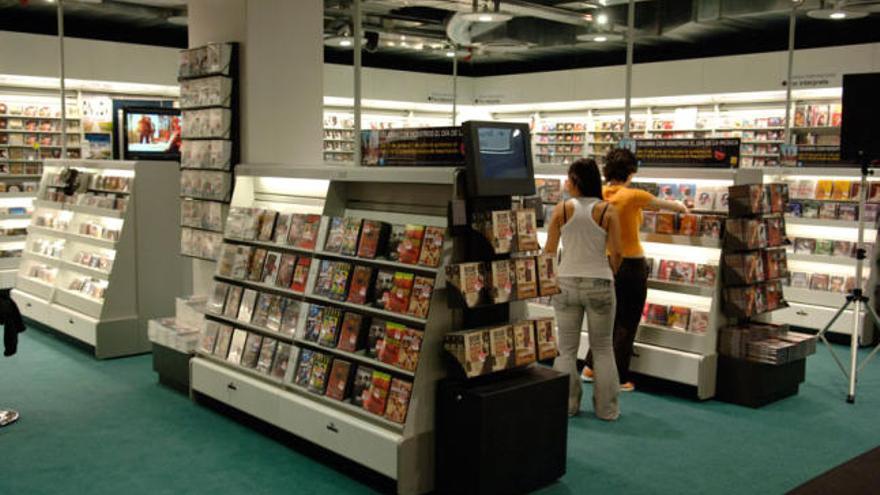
pixel 108 427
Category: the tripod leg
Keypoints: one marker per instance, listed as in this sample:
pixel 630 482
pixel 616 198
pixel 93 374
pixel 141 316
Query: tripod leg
pixel 854 351
pixel 822 333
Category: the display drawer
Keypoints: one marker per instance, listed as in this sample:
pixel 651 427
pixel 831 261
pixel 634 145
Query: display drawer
pixel 358 440
pixel 677 366
pixel 669 364
pixel 77 325
pixel 32 306
pixel 205 378
pixel 814 317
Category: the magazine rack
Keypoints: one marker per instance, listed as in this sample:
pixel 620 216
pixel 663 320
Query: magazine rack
pixel 403 452
pixel 136 281
pixel 662 352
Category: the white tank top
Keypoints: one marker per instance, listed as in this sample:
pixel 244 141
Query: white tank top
pixel 583 244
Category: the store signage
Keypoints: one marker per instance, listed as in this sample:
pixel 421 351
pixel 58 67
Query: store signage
pixel 430 146
pixel 714 153
pixel 819 156
pixel 824 80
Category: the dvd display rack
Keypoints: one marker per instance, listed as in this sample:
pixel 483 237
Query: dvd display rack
pixel 100 262
pixel 368 398
pixel 208 78
pixel 822 226
pixel 677 339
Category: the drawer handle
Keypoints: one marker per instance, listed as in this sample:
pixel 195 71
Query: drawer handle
pixel 231 386
pixel 801 312
pixel 332 427
pixel 28 305
pixel 70 320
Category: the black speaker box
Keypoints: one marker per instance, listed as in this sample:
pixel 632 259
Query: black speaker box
pixel 502 436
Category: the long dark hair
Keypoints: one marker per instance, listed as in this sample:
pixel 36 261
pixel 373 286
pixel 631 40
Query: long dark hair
pixel 584 174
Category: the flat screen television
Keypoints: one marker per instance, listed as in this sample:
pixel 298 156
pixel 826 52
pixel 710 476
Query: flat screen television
pixel 860 130
pixel 498 159
pixel 151 133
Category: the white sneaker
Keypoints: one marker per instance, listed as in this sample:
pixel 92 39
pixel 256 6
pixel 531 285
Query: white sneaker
pixel 587 375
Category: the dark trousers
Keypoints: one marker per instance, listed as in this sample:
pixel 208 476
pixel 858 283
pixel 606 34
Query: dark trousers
pixel 631 289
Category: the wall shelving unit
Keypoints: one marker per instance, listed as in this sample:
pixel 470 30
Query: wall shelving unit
pixel 403 452
pixel 66 242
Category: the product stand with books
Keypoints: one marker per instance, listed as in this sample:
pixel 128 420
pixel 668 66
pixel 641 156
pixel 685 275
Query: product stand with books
pixel 822 226
pixel 759 362
pixel 677 339
pixel 208 78
pixel 97 262
pixel 327 316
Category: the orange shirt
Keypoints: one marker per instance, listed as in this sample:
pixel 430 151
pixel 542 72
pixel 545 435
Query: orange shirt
pixel 629 203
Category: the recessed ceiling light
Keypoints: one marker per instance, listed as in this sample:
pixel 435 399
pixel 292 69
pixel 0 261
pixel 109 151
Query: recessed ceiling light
pixel 836 14
pixel 450 54
pixel 390 43
pixel 600 37
pixel 486 17
pixel 342 41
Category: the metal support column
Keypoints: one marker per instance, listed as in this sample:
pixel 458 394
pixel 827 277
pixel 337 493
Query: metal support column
pixel 630 48
pixel 792 20
pixel 358 41
pixel 455 88
pixel 60 16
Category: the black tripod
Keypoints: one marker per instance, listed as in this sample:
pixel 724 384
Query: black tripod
pixel 857 299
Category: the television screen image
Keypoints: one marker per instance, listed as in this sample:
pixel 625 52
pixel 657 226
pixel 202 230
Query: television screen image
pixel 152 133
pixel 503 153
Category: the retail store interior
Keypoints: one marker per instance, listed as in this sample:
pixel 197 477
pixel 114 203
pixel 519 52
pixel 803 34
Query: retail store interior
pixel 265 245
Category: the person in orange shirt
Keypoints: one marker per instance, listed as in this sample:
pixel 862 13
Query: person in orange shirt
pixel 631 279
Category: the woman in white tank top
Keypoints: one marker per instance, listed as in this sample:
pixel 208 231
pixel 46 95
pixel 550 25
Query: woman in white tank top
pixel 590 233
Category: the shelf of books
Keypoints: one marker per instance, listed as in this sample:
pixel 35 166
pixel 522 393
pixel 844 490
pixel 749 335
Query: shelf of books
pixel 329 309
pixel 677 339
pixel 822 227
pixel 209 150
pixel 86 237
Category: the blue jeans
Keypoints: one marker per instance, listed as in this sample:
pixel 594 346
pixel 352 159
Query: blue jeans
pixel 593 297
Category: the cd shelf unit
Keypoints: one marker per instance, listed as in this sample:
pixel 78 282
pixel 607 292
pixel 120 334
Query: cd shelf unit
pixel 401 451
pixel 681 356
pixel 30 132
pixel 210 148
pixel 815 300
pixel 98 274
pixel 759 124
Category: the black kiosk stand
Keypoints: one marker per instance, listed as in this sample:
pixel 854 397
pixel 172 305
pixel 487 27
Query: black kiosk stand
pixel 504 432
